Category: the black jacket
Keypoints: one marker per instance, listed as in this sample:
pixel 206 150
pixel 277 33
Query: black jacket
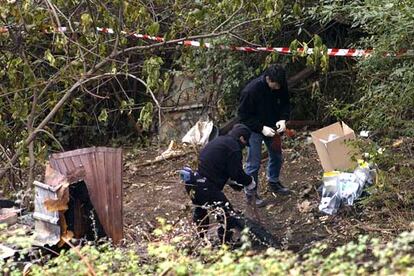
pixel 220 160
pixel 260 106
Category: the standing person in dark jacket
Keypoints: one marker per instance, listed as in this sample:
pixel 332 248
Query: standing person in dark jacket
pixel 219 161
pixel 264 105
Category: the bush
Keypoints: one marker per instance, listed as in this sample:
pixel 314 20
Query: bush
pixel 385 80
pixel 362 257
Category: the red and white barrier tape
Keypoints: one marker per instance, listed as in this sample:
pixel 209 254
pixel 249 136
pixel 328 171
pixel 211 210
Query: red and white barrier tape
pixel 282 50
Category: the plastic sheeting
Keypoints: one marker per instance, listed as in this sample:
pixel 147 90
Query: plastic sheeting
pixel 199 134
pixel 344 188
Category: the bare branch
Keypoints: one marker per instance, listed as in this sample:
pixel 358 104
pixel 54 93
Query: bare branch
pixel 51 136
pixel 244 23
pixel 231 16
pixel 83 79
pixel 53 11
pixel 92 94
pixel 245 41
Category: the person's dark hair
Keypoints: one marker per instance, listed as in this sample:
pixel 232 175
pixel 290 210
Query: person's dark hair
pixel 241 130
pixel 276 72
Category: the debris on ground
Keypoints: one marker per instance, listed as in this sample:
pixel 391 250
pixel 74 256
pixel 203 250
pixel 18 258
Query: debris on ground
pixel 9 216
pixel 6 252
pixel 344 188
pixel 81 196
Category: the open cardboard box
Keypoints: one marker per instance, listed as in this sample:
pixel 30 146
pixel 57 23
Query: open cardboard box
pixel 333 153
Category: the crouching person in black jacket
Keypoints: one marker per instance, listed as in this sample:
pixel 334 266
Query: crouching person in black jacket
pixel 219 161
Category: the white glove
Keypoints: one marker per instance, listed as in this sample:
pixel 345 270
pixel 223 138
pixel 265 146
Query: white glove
pixel 281 126
pixel 249 189
pixel 268 131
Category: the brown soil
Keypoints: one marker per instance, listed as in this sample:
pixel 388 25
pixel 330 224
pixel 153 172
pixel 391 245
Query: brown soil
pixel 153 191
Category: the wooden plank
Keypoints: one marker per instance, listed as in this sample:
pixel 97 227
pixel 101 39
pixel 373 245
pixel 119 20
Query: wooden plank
pixel 77 160
pixel 103 194
pixel 105 149
pixel 70 166
pixel 110 189
pixel 119 233
pixel 89 163
pixel 53 163
pixel 61 166
pixel 71 153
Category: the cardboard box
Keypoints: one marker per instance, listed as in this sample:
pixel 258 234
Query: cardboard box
pixel 333 153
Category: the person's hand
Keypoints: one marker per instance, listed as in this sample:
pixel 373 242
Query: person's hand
pixel 268 131
pixel 250 189
pixel 281 126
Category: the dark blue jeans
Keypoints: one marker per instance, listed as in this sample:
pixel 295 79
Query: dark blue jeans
pixel 254 157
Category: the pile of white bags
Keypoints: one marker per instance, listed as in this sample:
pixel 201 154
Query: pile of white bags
pixel 344 188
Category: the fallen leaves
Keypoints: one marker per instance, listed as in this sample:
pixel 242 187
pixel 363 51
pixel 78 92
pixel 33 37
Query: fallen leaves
pixel 305 207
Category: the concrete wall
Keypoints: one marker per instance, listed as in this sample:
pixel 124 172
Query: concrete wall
pixel 182 109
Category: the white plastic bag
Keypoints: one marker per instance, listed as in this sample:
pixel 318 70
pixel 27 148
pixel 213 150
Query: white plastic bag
pixel 331 199
pixel 199 133
pixel 342 187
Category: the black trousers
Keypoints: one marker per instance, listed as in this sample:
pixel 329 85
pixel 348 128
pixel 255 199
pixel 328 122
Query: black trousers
pixel 207 198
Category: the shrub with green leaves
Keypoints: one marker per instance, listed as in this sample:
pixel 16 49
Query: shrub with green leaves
pixel 385 80
pixel 168 254
pixel 72 88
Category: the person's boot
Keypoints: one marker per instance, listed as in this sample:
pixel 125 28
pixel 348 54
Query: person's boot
pixel 278 188
pixel 259 201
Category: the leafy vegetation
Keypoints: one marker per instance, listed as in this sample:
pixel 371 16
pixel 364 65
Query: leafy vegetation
pixel 385 94
pixel 61 90
pixel 168 255
pixel 58 85
pixel 81 86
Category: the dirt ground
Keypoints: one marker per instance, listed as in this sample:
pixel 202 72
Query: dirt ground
pixel 152 191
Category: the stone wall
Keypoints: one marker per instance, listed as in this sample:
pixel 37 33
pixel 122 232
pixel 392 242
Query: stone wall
pixel 182 108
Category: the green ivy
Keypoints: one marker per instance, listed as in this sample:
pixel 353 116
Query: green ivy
pixel 385 80
pixel 366 255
